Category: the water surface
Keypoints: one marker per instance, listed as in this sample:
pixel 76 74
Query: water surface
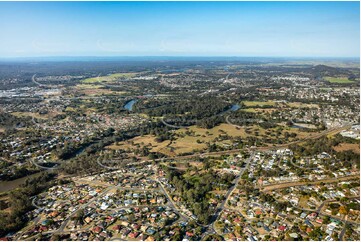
pixel 129 105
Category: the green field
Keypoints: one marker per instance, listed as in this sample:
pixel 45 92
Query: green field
pixel 338 79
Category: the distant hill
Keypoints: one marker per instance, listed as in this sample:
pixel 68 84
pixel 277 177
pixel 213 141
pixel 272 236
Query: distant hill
pixel 323 70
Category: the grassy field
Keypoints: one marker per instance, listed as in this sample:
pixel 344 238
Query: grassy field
pixel 252 106
pixel 88 86
pixel 338 79
pixel 70 109
pixel 259 110
pixel 250 110
pixel 108 78
pixel 344 146
pixel 184 143
pixel 34 115
pixel 146 140
pixel 209 134
pixel 95 90
pixel 257 103
pixel 302 105
pixel 197 138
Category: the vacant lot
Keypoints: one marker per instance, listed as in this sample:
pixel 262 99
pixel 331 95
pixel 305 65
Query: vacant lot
pixel 344 146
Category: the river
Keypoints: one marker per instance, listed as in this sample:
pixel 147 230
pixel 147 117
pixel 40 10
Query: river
pixel 6 186
pixel 233 108
pixel 129 105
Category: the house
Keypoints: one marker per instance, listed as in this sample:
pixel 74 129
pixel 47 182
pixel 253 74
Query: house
pixel 97 229
pixel 250 214
pixel 150 238
pixel 125 232
pixel 303 215
pixel 124 223
pixel 117 228
pixel 330 227
pixel 319 220
pixel 312 216
pixel 88 220
pixel 282 228
pixel 258 212
pixel 237 221
pixel 143 237
pixel 133 235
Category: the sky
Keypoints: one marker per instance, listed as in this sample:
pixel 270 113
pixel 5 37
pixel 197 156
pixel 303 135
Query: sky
pixel 259 29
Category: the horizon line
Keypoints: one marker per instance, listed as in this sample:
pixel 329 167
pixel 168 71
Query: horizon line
pixel 176 56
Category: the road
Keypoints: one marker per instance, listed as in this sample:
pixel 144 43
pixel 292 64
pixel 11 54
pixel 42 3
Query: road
pixel 172 204
pixel 210 228
pixel 318 211
pixel 34 204
pixel 235 125
pixel 65 222
pixel 343 231
pixel 215 216
pixel 294 184
pixel 33 80
pixel 301 167
pixel 61 228
pixel 44 167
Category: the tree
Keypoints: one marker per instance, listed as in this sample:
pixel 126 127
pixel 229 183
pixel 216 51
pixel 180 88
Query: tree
pixel 342 210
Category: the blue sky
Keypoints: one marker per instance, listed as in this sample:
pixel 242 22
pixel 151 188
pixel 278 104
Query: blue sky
pixel 295 29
